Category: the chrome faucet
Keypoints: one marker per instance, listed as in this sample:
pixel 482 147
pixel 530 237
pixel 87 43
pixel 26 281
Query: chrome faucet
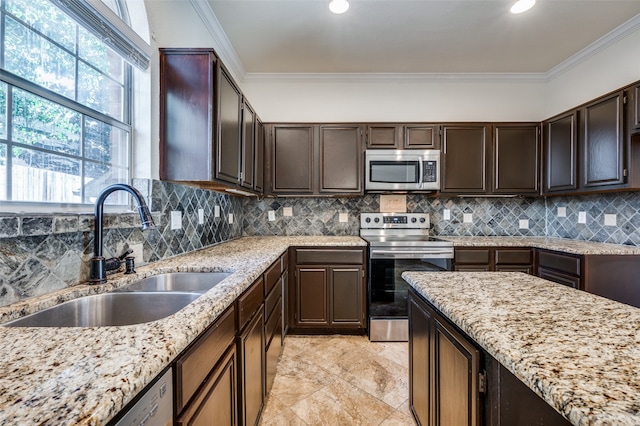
pixel 99 265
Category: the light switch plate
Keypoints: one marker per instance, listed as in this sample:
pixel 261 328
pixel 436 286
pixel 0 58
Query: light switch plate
pixel 200 216
pixel 610 219
pixel 562 212
pixel 467 218
pixel 176 219
pixel 272 215
pixel 216 211
pixel 446 215
pixel 582 217
pixel 287 211
pixel 230 218
pixel 523 224
pixel 343 217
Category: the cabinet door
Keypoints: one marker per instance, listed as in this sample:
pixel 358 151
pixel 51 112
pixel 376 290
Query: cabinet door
pixel 311 295
pixel 248 146
pixel 216 402
pixel 229 121
pixel 516 159
pixel 251 345
pixel 635 107
pixel 602 142
pixel 341 160
pixel 456 363
pixel 387 136
pixel 186 121
pixel 421 136
pixel 561 153
pixel 291 162
pixel 420 356
pixel 346 290
pixel 258 185
pixel 465 149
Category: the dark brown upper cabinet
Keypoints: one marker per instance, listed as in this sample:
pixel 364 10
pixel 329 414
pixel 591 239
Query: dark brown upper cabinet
pixel 316 159
pixel 187 114
pixel 340 159
pixel 584 149
pixel 635 106
pixel 561 153
pixel 602 142
pixel 208 131
pixel 516 159
pixel 228 164
pixel 465 154
pixel 402 136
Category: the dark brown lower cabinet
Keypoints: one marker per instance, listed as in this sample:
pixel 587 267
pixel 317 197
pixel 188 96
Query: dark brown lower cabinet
pixel 216 402
pixel 251 370
pixel 454 382
pixel 500 259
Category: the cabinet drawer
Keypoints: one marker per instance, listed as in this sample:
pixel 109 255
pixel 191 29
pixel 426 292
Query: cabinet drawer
pixel 311 256
pixel 560 262
pixel 193 367
pixel 272 276
pixel 472 256
pixel 471 268
pixel 272 299
pixel 559 277
pixel 513 257
pixel 250 301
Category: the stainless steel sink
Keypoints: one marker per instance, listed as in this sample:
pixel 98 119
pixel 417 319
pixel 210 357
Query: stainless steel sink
pixel 109 309
pixel 197 282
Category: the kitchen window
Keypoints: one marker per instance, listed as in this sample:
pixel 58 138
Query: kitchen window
pixel 65 105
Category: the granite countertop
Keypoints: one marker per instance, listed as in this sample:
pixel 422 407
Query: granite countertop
pixel 578 351
pixel 85 376
pixel 558 244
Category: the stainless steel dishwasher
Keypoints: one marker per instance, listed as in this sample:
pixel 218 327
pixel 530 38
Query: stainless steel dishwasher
pixel 154 407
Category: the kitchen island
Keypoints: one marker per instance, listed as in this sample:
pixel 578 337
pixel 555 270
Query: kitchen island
pixel 577 351
pixel 86 376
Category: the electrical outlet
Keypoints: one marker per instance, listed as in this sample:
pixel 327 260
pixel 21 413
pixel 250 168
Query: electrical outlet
pixel 467 218
pixel 200 216
pixel 176 219
pixel 272 215
pixel 230 218
pixel 523 224
pixel 343 217
pixel 582 217
pixel 562 212
pixel 287 211
pixel 446 214
pixel 216 211
pixel 610 219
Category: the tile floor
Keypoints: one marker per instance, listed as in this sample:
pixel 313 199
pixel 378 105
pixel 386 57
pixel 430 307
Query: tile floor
pixel 340 380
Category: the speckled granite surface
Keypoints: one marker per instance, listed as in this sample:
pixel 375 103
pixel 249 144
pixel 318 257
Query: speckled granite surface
pixel 578 351
pixel 558 244
pixel 85 376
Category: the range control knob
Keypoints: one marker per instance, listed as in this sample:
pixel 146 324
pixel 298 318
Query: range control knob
pixel 422 220
pixel 414 220
pixel 376 220
pixel 368 220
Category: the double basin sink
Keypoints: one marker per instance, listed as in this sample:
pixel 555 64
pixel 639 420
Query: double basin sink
pixel 147 300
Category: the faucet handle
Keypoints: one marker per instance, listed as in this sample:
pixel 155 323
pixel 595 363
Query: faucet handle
pixel 124 255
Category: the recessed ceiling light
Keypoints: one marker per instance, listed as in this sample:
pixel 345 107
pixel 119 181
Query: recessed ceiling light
pixel 522 6
pixel 339 6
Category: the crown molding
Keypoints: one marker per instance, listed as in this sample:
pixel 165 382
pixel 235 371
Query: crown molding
pixel 224 48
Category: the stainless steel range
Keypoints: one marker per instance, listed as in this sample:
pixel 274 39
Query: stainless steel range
pixel 398 242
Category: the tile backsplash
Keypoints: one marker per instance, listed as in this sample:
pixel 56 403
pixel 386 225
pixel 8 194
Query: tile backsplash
pixel 43 253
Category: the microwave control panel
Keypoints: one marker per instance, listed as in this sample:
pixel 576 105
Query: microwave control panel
pixel 430 171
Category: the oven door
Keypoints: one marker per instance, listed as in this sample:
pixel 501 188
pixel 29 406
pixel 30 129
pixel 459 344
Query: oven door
pixel 388 292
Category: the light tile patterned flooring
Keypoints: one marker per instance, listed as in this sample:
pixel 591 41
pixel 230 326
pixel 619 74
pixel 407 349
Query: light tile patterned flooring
pixel 340 380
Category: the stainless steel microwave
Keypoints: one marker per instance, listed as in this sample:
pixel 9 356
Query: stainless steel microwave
pixel 402 170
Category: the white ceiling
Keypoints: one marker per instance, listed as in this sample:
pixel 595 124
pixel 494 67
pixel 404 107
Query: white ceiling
pixel 417 36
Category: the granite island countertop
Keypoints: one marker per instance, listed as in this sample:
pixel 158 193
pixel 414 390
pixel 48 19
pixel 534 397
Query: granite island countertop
pixel 578 351
pixel 85 376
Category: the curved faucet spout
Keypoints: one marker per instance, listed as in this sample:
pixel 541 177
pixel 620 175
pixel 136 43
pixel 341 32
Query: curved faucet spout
pixel 98 272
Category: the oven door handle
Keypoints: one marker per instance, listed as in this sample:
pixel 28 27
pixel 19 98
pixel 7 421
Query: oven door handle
pixel 445 253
